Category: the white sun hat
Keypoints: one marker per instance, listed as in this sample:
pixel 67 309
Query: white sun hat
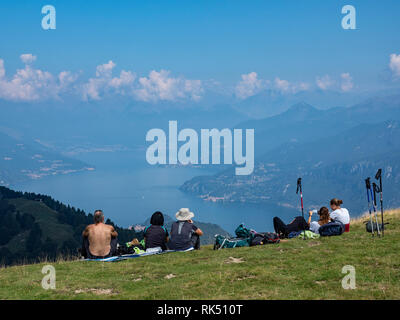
pixel 184 214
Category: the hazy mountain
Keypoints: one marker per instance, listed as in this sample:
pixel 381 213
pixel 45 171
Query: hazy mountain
pixel 335 150
pixel 272 102
pixel 302 122
pixel 20 161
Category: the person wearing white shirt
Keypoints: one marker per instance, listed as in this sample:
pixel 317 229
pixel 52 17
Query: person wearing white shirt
pixel 339 214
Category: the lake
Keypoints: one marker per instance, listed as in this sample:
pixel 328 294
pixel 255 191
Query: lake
pixel 129 191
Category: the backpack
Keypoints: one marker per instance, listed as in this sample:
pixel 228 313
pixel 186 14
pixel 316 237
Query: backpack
pixel 125 249
pixel 264 238
pixel 242 232
pixel 222 242
pixel 374 224
pixel 271 237
pixel 334 228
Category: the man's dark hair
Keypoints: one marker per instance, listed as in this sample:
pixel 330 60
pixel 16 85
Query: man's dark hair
pixel 98 216
pixel 157 219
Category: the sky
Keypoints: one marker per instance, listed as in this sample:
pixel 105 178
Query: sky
pixel 169 50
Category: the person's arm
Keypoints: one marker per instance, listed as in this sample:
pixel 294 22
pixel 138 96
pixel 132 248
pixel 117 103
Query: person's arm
pixel 195 229
pixel 309 217
pixel 85 232
pixel 114 233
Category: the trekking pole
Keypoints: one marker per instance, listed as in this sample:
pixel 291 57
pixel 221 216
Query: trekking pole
pixel 375 187
pixel 299 188
pixel 368 186
pixel 378 176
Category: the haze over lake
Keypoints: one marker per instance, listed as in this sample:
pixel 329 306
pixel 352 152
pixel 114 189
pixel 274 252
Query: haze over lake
pixel 129 191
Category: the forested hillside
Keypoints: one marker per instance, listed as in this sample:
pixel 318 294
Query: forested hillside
pixel 34 226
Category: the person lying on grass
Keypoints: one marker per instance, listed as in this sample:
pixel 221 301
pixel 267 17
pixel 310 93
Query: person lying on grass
pixel 283 230
pixel 184 234
pixel 99 239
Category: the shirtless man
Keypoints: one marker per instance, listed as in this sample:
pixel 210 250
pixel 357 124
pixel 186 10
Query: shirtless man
pixel 99 239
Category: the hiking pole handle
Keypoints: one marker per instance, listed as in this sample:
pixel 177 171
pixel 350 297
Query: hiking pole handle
pixel 376 189
pixel 299 187
pixel 368 187
pixel 378 175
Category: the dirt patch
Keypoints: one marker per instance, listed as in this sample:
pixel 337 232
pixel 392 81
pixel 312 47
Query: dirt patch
pixel 96 291
pixel 234 260
pixel 314 243
pixel 246 277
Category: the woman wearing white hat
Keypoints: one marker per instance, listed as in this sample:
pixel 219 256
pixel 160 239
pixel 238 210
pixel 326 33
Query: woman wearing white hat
pixel 184 234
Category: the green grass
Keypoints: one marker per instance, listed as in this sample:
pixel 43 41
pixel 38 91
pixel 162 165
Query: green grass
pixel 295 269
pixel 47 220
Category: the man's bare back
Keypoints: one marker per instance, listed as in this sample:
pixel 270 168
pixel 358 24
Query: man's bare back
pixel 99 236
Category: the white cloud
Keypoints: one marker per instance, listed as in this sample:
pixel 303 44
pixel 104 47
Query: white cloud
pixel 250 85
pixel 282 85
pixel 325 82
pixel 104 82
pixel 105 70
pixel 30 84
pixel 27 58
pixel 159 86
pixel 395 64
pixel 2 70
pixel 347 82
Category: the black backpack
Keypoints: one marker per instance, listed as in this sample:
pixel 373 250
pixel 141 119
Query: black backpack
pixel 334 228
pixel 369 228
pixel 264 238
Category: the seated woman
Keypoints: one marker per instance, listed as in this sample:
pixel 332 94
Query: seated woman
pixel 340 214
pixel 184 234
pixel 323 219
pixel 283 230
pixel 156 235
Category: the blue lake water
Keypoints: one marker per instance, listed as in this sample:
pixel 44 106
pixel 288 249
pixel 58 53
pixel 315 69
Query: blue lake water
pixel 129 191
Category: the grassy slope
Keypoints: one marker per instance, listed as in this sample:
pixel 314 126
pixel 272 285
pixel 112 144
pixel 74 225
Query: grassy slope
pixel 47 220
pixel 291 270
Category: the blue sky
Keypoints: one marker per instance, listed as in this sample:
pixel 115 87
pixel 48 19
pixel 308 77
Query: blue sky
pixel 297 41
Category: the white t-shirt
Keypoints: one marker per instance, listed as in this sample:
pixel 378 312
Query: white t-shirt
pixel 341 215
pixel 314 227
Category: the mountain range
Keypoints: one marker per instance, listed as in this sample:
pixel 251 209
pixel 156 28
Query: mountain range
pixel 20 161
pixel 333 151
